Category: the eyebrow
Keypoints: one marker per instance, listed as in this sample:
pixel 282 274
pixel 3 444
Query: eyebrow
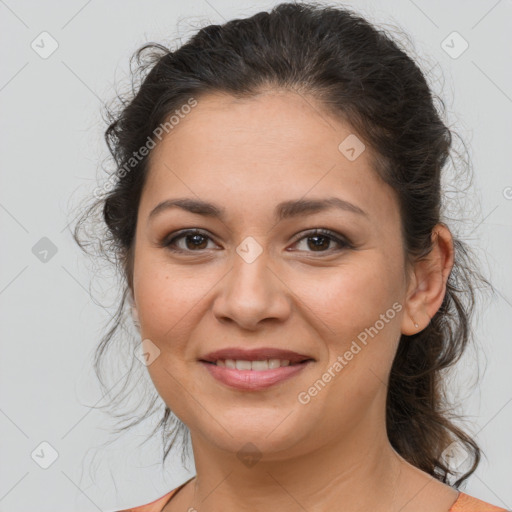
pixel 284 210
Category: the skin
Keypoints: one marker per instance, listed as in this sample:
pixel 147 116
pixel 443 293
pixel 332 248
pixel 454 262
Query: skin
pixel 247 156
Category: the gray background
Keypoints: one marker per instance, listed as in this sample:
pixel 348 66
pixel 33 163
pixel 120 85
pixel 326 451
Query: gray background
pixel 51 151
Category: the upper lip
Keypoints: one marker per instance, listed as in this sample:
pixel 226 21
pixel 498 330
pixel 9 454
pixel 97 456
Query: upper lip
pixel 257 354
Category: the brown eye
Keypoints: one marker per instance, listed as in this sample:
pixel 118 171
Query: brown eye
pixel 320 240
pixel 192 240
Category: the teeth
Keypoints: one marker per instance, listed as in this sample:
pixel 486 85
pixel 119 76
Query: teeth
pixel 239 364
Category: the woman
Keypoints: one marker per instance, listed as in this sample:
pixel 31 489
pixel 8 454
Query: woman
pixel 276 214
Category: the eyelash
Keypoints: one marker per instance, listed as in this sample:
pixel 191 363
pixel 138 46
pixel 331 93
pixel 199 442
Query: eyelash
pixel 342 242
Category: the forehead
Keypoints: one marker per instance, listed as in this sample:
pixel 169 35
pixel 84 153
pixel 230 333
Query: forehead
pixel 280 125
pixel 276 146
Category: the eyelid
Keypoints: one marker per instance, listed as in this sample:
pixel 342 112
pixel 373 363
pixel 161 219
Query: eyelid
pixel 167 240
pixel 342 241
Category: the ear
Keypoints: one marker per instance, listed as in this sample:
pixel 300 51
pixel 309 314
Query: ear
pixel 134 312
pixel 427 286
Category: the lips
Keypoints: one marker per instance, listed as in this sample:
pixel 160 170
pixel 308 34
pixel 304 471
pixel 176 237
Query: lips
pixel 251 381
pixel 258 354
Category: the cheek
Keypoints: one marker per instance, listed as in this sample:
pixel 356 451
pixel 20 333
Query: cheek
pixel 157 319
pixel 356 310
pixel 167 301
pixel 165 295
pixel 352 296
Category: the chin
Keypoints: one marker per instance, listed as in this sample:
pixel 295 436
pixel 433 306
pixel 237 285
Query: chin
pixel 267 435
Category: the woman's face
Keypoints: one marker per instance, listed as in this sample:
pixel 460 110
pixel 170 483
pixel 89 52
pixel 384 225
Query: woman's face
pixel 253 279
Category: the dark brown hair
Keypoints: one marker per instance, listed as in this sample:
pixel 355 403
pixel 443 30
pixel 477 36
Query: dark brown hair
pixel 360 75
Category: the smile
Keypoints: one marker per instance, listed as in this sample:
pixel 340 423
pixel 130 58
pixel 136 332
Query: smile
pixel 254 375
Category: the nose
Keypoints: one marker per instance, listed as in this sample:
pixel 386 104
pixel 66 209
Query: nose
pixel 252 293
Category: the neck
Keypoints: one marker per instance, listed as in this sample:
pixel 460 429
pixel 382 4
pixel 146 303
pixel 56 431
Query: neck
pixel 338 472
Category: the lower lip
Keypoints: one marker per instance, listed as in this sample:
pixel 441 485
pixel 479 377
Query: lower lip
pixel 252 380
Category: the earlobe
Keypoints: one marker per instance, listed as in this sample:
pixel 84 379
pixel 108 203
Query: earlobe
pixel 410 326
pixel 412 321
pixel 134 312
pixel 135 316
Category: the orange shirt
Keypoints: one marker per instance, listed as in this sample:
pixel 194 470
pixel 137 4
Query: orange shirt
pixel 464 503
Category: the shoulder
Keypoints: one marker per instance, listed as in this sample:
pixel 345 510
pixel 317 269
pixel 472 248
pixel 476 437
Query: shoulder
pixel 159 504
pixel 467 503
pixel 154 506
pixel 464 503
